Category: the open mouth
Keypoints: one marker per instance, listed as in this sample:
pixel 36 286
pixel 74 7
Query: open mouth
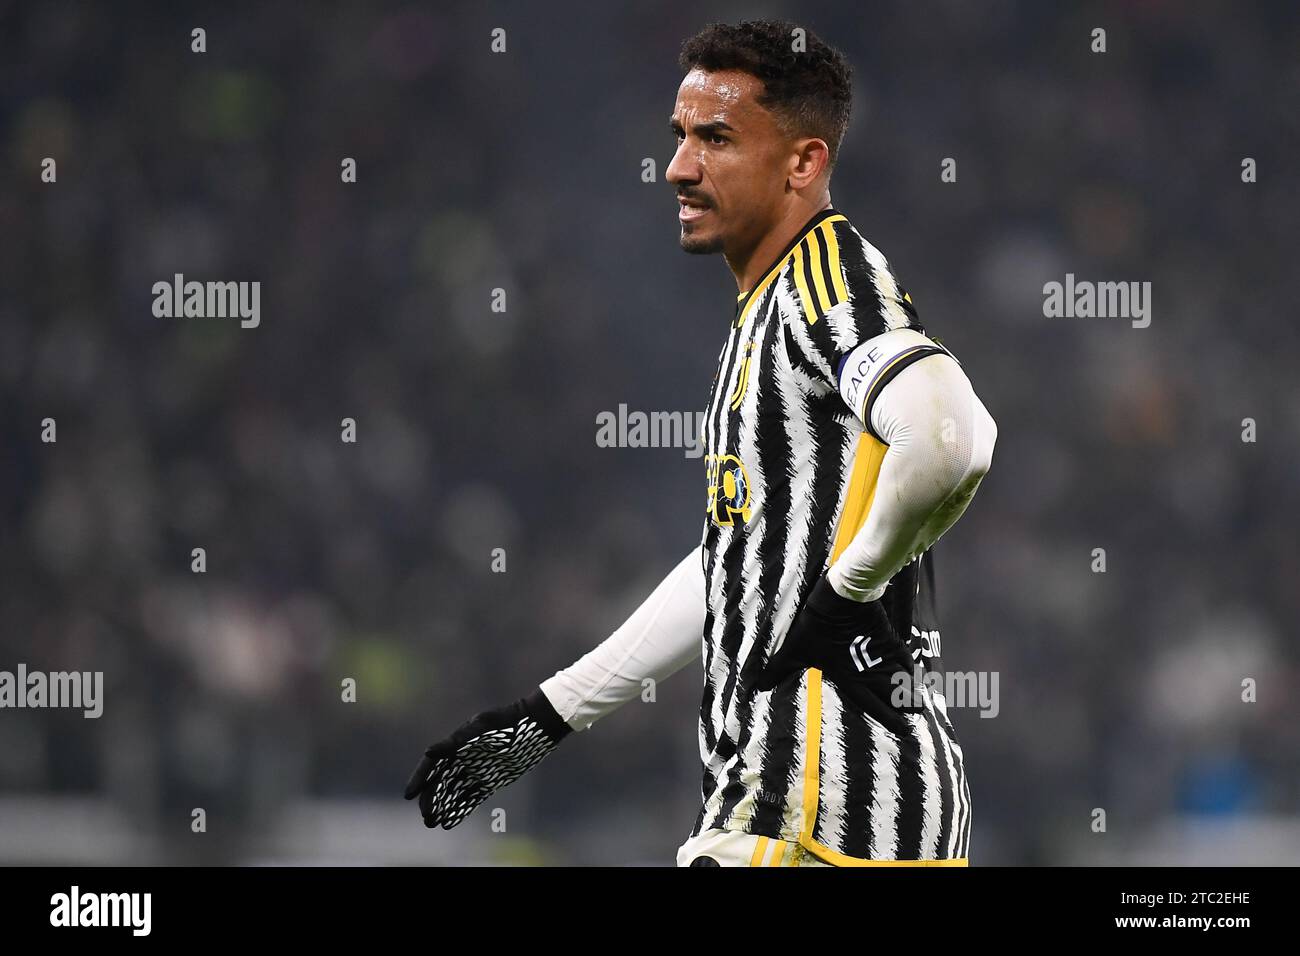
pixel 690 212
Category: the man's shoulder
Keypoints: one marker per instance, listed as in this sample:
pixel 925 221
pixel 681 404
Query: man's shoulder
pixel 837 269
pixel 866 269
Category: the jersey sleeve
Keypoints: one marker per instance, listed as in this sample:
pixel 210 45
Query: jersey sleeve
pixel 854 327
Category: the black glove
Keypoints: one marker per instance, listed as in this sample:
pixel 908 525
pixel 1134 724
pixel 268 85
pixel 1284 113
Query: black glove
pixel 487 752
pixel 854 644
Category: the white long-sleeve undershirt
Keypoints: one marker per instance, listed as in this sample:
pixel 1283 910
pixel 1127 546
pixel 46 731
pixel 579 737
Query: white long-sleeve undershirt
pixel 940 440
pixel 661 637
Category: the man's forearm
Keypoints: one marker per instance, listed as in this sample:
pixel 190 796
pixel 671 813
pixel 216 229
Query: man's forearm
pixel 940 439
pixel 661 637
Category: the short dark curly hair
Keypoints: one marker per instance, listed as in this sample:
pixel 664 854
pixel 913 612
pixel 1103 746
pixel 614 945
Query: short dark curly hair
pixel 809 91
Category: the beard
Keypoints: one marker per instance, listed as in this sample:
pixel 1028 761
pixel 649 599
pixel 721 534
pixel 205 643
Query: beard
pixel 701 245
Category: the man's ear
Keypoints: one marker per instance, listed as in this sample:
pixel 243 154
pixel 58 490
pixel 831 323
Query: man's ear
pixel 811 159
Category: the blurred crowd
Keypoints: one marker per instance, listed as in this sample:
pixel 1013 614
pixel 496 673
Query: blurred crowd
pixel 475 427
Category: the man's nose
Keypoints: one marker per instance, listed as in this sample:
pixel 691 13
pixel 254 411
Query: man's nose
pixel 684 168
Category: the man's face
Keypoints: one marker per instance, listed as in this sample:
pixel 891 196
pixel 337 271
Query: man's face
pixel 732 162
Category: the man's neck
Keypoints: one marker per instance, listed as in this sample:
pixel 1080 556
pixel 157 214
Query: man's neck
pixel 749 272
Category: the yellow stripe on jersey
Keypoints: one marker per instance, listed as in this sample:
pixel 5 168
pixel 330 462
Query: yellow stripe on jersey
pixel 857 505
pixel 862 491
pixel 811 785
pixel 810 276
pixel 802 285
pixel 759 849
pixel 815 270
pixel 778 853
pixel 833 260
pixel 757 292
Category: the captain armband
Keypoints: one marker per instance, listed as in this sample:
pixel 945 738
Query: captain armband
pixel 870 366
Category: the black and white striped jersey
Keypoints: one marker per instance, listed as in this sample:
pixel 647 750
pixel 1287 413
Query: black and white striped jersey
pixel 791 472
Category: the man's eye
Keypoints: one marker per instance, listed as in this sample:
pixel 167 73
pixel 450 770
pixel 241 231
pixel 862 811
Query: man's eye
pixel 717 139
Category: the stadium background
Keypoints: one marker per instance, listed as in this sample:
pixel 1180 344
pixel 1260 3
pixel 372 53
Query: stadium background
pixel 477 429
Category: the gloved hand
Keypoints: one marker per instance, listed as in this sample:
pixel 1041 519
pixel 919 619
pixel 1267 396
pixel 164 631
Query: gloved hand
pixel 855 646
pixel 487 752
